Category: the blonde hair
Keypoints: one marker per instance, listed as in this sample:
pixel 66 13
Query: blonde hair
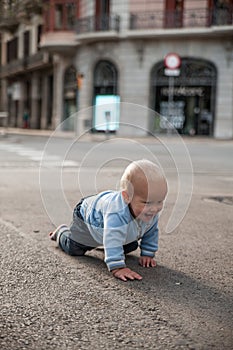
pixel 139 169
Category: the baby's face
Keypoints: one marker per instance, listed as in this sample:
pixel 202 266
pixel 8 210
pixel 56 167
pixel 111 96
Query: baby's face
pixel 147 201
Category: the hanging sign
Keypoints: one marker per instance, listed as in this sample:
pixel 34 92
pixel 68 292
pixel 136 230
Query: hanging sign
pixel 172 72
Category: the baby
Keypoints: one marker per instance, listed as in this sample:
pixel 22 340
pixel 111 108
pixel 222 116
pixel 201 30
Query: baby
pixel 118 220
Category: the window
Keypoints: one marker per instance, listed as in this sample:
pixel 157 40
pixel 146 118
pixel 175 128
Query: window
pixel 39 32
pixel 70 15
pixel 102 14
pixel 12 50
pixel 222 11
pixel 65 15
pixel 106 100
pixel 174 13
pixel 26 44
pixel 58 16
pixel 105 78
pixel 189 104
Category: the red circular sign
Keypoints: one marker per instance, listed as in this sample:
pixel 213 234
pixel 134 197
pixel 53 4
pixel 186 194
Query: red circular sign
pixel 172 61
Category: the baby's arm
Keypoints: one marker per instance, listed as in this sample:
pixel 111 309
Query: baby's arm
pixel 115 260
pixel 149 245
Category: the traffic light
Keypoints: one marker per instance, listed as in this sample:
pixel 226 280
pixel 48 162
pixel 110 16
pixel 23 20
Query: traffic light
pixel 79 80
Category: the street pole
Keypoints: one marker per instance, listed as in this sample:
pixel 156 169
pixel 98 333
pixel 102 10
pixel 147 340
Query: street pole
pixel 79 79
pixel 172 63
pixel 170 102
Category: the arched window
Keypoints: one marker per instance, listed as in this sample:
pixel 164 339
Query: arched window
pixel 105 79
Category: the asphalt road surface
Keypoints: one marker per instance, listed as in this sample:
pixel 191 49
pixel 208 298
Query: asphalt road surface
pixel 50 300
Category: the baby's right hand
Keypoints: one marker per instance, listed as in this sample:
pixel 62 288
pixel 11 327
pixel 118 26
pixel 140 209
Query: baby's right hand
pixel 125 273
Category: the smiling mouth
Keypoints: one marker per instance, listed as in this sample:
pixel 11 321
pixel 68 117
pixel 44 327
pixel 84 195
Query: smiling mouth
pixel 149 215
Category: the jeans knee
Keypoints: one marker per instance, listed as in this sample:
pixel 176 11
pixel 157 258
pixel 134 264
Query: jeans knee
pixel 70 247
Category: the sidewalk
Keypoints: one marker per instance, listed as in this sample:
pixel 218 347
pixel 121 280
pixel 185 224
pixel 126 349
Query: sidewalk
pixel 98 137
pixel 37 132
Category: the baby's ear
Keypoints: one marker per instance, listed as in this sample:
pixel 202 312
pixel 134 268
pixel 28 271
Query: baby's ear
pixel 125 196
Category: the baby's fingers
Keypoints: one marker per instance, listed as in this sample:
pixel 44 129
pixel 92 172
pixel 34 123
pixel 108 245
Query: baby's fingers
pixel 146 261
pixel 153 263
pixel 125 274
pixel 134 275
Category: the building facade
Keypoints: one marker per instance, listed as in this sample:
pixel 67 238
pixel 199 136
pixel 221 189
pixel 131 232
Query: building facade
pixel 82 54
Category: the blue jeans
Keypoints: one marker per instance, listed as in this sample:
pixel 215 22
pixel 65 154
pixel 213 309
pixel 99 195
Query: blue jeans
pixel 74 248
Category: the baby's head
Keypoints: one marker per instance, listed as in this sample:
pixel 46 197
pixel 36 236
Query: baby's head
pixel 144 188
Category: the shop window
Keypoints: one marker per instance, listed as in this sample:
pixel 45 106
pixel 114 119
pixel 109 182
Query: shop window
pixel 188 104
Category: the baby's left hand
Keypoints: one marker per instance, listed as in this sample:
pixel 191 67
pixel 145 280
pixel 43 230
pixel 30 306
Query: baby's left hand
pixel 147 261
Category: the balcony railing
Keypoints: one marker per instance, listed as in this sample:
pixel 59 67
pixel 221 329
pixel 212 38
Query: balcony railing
pixel 22 65
pixel 96 24
pixel 38 59
pixel 179 19
pixel 12 68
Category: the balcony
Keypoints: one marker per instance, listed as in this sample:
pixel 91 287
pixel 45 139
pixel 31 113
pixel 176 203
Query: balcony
pixel 191 18
pixel 190 22
pixel 8 24
pixel 37 61
pixel 92 27
pixel 63 42
pixel 12 68
pixel 93 24
pixel 24 65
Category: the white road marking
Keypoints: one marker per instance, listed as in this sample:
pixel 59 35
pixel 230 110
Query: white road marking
pixel 45 159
